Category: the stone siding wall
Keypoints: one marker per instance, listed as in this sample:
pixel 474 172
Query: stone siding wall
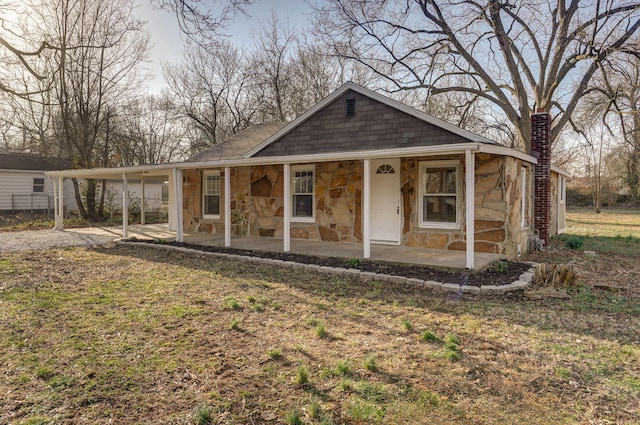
pixel 257 205
pixel 497 208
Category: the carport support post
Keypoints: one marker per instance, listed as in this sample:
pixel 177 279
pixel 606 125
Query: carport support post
pixel 177 181
pixel 366 196
pixel 60 210
pixel 227 206
pixel 125 207
pixel 469 177
pixel 142 220
pixel 287 208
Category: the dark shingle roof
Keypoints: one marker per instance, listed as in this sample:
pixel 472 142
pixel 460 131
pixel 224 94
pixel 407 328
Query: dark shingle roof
pixel 22 161
pixel 235 146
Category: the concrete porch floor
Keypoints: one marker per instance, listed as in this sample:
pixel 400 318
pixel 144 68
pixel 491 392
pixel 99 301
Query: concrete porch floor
pixel 390 253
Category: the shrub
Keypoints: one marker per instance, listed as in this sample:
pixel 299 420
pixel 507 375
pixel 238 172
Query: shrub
pixel 574 242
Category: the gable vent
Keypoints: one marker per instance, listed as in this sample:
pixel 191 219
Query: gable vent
pixel 350 107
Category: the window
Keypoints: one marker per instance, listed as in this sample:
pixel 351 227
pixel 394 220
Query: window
pixel 438 202
pixel 38 185
pixel 211 194
pixel 524 194
pixel 302 194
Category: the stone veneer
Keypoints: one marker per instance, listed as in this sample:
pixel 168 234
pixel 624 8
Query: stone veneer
pixel 257 206
pixel 497 186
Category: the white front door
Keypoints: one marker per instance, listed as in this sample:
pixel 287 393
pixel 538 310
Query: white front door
pixel 386 209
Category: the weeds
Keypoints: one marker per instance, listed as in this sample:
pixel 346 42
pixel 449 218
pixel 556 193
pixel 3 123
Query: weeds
pixel 370 363
pixel 235 323
pixel 429 336
pixel 406 324
pixel 321 332
pixel 275 353
pixel 302 375
pixel 574 242
pixel 202 415
pixel 294 417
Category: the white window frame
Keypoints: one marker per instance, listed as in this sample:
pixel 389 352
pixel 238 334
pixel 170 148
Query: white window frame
pixel 205 174
pixel 303 168
pixel 452 163
pixel 33 187
pixel 525 202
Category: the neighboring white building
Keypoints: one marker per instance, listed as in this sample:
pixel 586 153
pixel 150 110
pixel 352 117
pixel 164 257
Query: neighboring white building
pixel 23 184
pixel 24 187
pixel 153 195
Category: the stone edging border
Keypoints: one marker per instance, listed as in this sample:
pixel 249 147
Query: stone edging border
pixel 524 280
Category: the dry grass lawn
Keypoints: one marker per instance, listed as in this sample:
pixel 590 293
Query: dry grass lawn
pixel 123 335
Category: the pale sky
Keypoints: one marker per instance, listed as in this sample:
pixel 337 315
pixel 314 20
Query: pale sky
pixel 167 41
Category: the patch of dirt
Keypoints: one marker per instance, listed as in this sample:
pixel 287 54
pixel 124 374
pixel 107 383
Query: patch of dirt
pixel 493 275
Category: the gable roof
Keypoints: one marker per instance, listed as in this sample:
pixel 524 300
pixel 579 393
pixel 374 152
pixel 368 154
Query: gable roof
pixel 31 162
pixel 457 135
pixel 238 144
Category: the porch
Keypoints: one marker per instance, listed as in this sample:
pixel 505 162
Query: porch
pixel 390 253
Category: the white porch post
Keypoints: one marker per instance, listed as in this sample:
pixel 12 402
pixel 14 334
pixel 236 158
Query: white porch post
pixel 227 206
pixel 172 201
pixel 287 208
pixel 125 207
pixel 469 176
pixel 177 180
pixel 60 211
pixel 142 201
pixel 366 196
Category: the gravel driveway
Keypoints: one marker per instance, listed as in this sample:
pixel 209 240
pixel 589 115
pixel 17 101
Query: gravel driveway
pixel 44 239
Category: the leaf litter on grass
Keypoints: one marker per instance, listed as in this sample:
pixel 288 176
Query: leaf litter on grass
pixel 150 331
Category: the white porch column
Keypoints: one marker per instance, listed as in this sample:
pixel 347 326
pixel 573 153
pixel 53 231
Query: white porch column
pixel 142 220
pixel 60 211
pixel 125 207
pixel 366 197
pixel 287 208
pixel 470 190
pixel 173 209
pixel 177 180
pixel 227 206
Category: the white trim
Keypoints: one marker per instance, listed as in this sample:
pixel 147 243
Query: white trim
pixel 177 178
pixel 525 194
pixel 227 207
pixel 294 169
pixel 142 212
pixel 287 207
pixel 562 202
pixel 560 171
pixel 434 164
pixel 366 203
pixel 470 196
pixel 125 207
pixel 166 169
pixel 372 95
pixel 205 174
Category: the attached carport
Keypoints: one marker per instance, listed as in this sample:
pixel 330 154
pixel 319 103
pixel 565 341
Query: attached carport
pixel 142 173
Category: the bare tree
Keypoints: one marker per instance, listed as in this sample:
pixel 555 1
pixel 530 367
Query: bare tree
pixel 210 89
pixel 618 96
pixel 204 22
pixel 99 46
pixel 518 56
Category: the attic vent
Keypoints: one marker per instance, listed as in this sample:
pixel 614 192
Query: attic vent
pixel 350 106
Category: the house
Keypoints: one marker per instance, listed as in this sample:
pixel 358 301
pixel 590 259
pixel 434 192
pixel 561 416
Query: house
pixel 23 184
pixel 361 168
pixel 25 187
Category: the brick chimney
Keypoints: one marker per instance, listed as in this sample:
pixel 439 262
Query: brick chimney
pixel 541 149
